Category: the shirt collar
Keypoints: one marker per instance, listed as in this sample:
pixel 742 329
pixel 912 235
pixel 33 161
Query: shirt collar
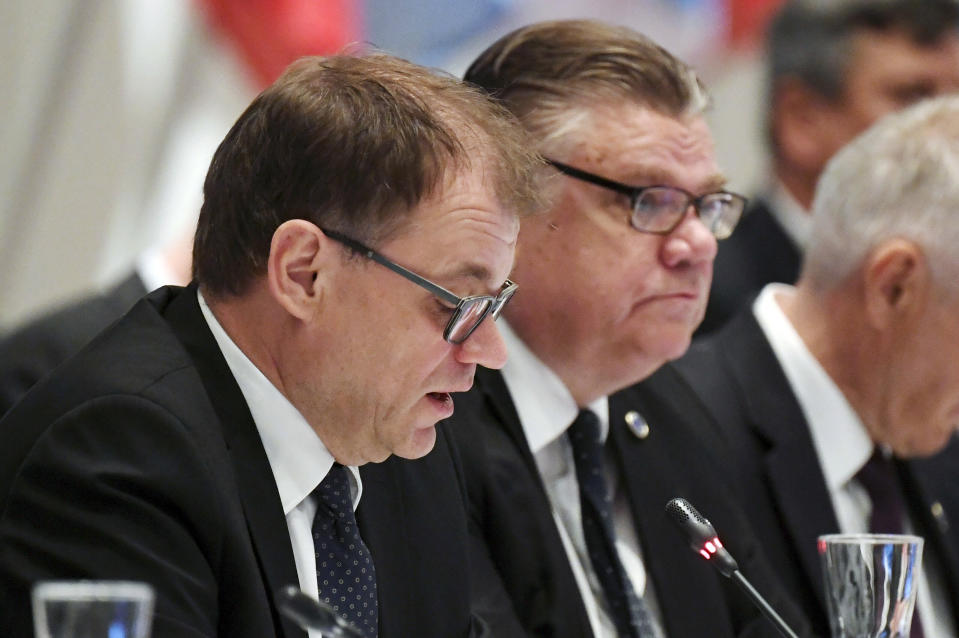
pixel 795 220
pixel 841 441
pixel 298 458
pixel 544 404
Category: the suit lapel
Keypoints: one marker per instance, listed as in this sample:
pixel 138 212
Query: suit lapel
pixel 382 517
pixel 791 465
pixel 651 479
pixel 491 384
pixel 258 493
pixel 559 609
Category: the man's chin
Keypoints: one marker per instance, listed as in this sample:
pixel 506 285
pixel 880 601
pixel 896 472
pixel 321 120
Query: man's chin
pixel 419 444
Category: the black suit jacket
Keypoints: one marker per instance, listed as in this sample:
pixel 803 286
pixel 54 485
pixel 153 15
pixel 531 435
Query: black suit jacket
pixel 520 544
pixel 769 453
pixel 31 351
pixel 138 459
pixel 757 253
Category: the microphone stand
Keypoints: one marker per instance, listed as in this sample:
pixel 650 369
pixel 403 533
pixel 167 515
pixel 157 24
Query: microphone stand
pixel 704 540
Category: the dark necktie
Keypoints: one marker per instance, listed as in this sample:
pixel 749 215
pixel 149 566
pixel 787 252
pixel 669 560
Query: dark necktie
pixel 628 611
pixel 881 481
pixel 344 568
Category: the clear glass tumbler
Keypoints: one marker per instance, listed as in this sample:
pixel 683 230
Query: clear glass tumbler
pixel 92 609
pixel 871 583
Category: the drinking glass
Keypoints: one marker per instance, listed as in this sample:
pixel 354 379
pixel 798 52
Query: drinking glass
pixel 92 609
pixel 871 582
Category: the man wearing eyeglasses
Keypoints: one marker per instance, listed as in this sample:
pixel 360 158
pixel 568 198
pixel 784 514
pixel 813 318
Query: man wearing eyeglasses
pixel 352 252
pixel 569 463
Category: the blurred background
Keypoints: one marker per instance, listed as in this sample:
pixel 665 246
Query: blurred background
pixel 112 108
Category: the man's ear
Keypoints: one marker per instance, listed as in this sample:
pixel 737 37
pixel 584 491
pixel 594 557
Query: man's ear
pixel 299 262
pixel 897 282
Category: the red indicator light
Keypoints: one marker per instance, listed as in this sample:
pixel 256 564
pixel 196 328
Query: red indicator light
pixel 710 547
pixel 705 554
pixel 717 543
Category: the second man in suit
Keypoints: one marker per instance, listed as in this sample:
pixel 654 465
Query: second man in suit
pixel 569 466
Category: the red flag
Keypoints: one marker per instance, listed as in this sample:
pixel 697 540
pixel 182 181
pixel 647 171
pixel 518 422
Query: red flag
pixel 269 34
pixel 747 21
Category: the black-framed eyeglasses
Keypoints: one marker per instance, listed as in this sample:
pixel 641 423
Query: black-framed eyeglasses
pixel 660 209
pixel 468 313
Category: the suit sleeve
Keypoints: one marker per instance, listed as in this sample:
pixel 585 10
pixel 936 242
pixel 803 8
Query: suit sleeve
pixel 116 489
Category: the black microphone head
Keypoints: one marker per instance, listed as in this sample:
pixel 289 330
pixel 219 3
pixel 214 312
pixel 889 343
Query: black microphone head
pixel 310 613
pixel 701 535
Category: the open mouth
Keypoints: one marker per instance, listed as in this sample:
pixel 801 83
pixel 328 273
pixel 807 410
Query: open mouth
pixel 441 397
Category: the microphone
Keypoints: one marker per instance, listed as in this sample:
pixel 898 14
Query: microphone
pixel 704 540
pixel 309 613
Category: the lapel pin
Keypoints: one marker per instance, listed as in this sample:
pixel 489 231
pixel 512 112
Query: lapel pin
pixel 939 514
pixel 637 424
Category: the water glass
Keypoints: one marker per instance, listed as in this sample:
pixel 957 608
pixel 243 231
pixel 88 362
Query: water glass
pixel 871 583
pixel 92 609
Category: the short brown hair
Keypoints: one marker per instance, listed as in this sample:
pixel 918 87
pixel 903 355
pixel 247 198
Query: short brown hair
pixel 352 144
pixel 544 71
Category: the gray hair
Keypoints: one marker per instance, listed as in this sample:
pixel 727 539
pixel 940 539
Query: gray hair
pixel 812 40
pixel 898 179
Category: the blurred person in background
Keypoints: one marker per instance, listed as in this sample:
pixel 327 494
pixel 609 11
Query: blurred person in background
pixel 833 68
pixel 32 350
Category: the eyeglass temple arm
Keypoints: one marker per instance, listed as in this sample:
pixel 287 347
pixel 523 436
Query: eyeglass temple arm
pixel 369 253
pixel 625 189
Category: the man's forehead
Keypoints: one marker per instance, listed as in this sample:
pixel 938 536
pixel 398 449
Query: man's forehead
pixel 652 175
pixel 643 147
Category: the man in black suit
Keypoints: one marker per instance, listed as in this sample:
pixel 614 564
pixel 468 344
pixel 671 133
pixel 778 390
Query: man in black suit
pixel 618 271
pixel 833 68
pixel 854 372
pixel 215 441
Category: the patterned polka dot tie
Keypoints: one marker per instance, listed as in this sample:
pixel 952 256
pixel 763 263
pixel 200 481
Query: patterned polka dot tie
pixel 628 611
pixel 344 568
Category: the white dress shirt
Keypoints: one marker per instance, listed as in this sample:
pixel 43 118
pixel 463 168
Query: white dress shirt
pixel 297 456
pixel 546 409
pixel 843 447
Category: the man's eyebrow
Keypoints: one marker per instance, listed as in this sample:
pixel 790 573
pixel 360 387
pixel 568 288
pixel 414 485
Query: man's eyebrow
pixel 470 271
pixel 652 176
pixel 715 183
